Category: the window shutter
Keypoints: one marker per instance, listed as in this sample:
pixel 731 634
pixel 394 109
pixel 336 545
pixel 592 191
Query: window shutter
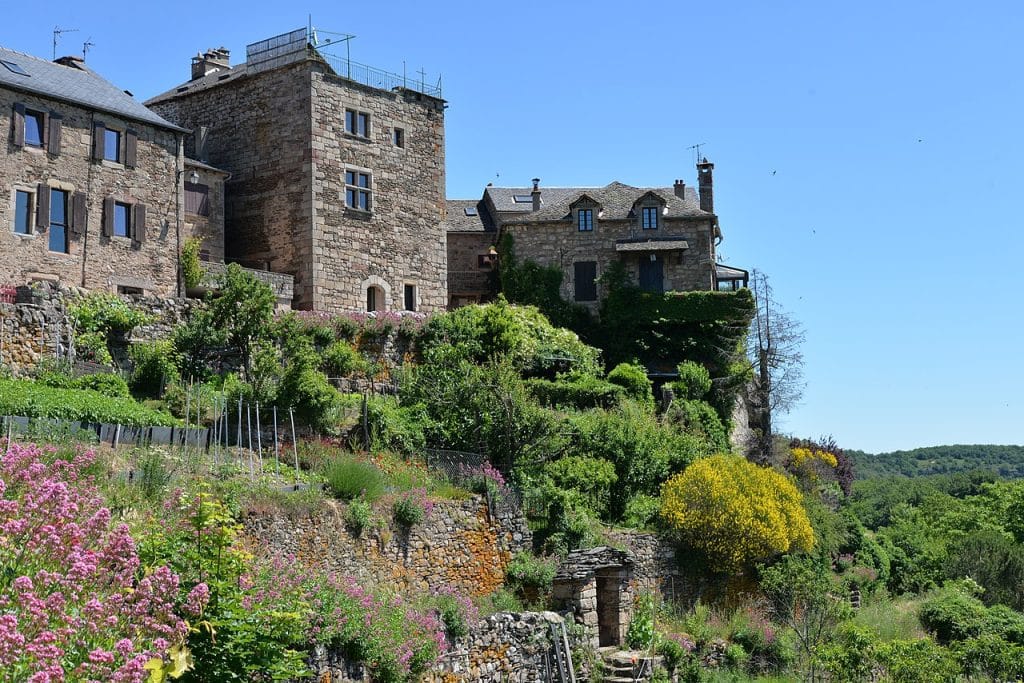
pixel 108 217
pixel 42 207
pixel 98 134
pixel 53 145
pixel 131 139
pixel 139 224
pixel 19 124
pixel 79 215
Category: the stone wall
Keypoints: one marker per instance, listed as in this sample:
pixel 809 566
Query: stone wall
pixel 91 260
pixel 33 331
pixel 459 545
pixel 560 244
pixel 208 228
pixel 501 648
pixel 468 282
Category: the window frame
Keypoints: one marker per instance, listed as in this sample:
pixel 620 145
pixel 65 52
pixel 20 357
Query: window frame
pixel 356 193
pixel 652 211
pixel 398 137
pixel 356 119
pixel 119 139
pixel 585 220
pixel 41 118
pixel 127 210
pixel 410 295
pixel 30 212
pixel 64 227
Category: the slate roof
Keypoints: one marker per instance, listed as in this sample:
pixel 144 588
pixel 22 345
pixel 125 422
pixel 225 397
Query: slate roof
pixel 616 200
pixel 202 164
pixel 458 221
pixel 75 84
pixel 210 80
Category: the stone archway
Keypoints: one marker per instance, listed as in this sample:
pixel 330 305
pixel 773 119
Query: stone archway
pixel 377 293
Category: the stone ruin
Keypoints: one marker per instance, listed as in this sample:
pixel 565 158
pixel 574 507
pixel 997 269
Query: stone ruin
pixel 598 586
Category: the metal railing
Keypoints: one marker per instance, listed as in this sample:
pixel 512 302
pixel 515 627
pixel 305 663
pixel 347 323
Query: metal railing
pixel 378 78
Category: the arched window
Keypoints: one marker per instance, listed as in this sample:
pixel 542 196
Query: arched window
pixel 374 299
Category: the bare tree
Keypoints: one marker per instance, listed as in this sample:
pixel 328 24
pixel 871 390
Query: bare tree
pixel 774 349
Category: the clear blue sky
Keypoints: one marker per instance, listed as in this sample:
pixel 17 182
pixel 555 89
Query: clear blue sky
pixel 867 158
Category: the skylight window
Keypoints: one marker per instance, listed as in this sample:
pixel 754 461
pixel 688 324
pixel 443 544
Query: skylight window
pixel 470 210
pixel 14 67
pixel 522 199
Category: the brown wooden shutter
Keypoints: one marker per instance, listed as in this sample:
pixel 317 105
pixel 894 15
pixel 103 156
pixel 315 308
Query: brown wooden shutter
pixel 139 224
pixel 79 214
pixel 108 217
pixel 42 207
pixel 131 139
pixel 19 124
pixel 98 134
pixel 53 145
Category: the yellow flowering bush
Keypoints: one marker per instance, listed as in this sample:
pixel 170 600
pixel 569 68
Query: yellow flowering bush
pixel 735 512
pixel 809 463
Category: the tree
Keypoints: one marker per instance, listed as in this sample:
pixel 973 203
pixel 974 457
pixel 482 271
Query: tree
pixel 244 309
pixel 735 512
pixel 774 349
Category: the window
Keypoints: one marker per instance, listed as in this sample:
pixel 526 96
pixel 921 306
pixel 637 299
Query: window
pixel 585 220
pixel 14 67
pixel 111 144
pixel 357 123
pixel 522 198
pixel 122 219
pixel 357 190
pixel 585 280
pixel 649 218
pixel 58 221
pixel 470 211
pixel 197 199
pixel 374 299
pixel 410 297
pixel 22 212
pixel 399 137
pixel 34 121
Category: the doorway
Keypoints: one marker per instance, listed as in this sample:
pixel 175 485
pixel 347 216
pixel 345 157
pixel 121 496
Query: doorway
pixel 652 273
pixel 608 609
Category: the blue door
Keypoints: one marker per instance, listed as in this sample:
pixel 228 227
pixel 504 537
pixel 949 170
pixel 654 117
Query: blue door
pixel 651 273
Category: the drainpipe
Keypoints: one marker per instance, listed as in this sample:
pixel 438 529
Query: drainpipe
pixel 179 179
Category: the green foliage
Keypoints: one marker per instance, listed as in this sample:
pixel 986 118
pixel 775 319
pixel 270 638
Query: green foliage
pixel 694 381
pixel 340 359
pixel 633 378
pixel 30 399
pixel 350 478
pixel 105 313
pixel 408 510
pixel 358 515
pixel 917 661
pixel 559 519
pixel 529 578
pixel 316 402
pixel 520 333
pixel 641 635
pixel 992 657
pixel 954 614
pixel 1003 461
pixel 993 561
pixel 850 655
pixel 641 511
pixel 195 340
pixel 243 309
pixel 191 269
pixel 397 428
pixel 700 419
pixel 578 392
pixel 153 366
pixel 106 383
pixel 92 346
pixel 593 478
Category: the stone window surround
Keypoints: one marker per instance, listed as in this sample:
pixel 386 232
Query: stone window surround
pixel 356 114
pixel 129 239
pixel 375 281
pixel 578 216
pixel 31 190
pixel 398 138
pixel 585 203
pixel 415 296
pixel 371 189
pixel 123 133
pixel 43 118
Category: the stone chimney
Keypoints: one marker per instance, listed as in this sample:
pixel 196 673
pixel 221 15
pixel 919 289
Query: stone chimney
pixel 211 61
pixel 536 194
pixel 705 184
pixel 679 188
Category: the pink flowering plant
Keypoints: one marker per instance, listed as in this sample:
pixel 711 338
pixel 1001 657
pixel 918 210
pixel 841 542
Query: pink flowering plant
pixel 484 479
pixel 411 507
pixel 76 603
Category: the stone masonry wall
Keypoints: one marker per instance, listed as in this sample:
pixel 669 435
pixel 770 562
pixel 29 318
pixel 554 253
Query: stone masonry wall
pixel 559 243
pixel 459 545
pixel 259 131
pixel 92 261
pixel 465 276
pixel 400 240
pixel 209 228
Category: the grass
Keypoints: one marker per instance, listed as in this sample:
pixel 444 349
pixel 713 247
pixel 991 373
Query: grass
pixel 348 477
pixel 892 620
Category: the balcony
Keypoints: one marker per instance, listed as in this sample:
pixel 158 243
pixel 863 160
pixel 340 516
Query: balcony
pixel 282 284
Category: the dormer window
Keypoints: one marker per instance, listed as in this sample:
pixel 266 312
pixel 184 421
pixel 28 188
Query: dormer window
pixel 585 220
pixel 649 218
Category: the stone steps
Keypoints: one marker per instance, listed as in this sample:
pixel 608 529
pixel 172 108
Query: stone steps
pixel 623 666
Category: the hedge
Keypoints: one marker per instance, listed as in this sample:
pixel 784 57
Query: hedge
pixel 31 399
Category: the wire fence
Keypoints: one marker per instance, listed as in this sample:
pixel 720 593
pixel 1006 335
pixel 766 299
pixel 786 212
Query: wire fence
pixel 469 470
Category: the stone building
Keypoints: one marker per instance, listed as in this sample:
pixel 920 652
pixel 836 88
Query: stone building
pixel 92 181
pixel 597 586
pixel 337 172
pixel 664 236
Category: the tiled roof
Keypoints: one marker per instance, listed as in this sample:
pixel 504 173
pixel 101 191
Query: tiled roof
pixel 202 164
pixel 76 84
pixel 616 200
pixel 459 221
pixel 206 82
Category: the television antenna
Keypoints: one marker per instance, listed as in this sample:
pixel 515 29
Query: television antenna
pixel 57 31
pixel 697 150
pixel 86 46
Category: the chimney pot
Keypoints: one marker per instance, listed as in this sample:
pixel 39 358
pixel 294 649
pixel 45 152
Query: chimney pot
pixel 679 187
pixel 212 60
pixel 536 194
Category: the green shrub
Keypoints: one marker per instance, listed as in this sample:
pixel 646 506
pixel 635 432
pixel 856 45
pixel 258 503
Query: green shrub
pixel 850 655
pixel 700 419
pixel 991 656
pixel 500 600
pixel 576 391
pixel 594 478
pixel 92 346
pixel 694 381
pixel 30 399
pixel 736 657
pixel 633 378
pixel 154 366
pixel 457 613
pixel 316 402
pixel 349 478
pixel 106 313
pixel 641 635
pixel 191 269
pixel 106 383
pixel 530 577
pixel 641 511
pixel 340 359
pixel 196 341
pixel 357 516
pixel 55 373
pixel 918 661
pixel 953 614
pixel 410 508
pixel 400 429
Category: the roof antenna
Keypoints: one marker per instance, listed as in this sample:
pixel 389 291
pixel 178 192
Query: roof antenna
pixel 57 30
pixel 86 45
pixel 697 148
